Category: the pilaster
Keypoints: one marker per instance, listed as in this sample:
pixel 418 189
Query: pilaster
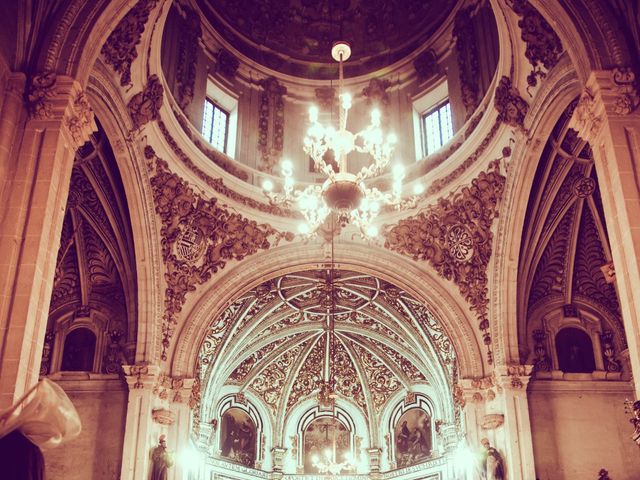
pixel 607 117
pixel 36 161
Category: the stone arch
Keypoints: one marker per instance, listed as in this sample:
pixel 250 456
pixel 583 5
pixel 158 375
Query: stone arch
pixel 235 280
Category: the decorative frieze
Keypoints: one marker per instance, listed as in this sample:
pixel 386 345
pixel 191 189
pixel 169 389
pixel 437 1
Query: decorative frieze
pixel 455 237
pixel 120 49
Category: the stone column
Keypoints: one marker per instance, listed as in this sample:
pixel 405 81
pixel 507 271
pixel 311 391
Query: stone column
pixel 139 430
pixel 608 118
pixel 512 407
pixel 277 454
pixel 374 462
pixel 179 432
pixel 36 166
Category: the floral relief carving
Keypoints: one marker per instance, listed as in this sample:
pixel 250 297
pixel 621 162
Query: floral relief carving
pixel 228 236
pixel 120 49
pixel 310 375
pixel 626 90
pixel 81 123
pixel 187 58
pixel 511 107
pixel 376 92
pixel 424 237
pixel 271 119
pixel 41 89
pixel 544 47
pixel 145 105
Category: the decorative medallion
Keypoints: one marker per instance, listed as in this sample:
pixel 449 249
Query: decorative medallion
pixel 190 243
pixel 459 242
pixel 583 187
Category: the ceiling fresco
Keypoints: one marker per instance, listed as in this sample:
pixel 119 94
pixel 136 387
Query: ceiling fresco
pixel 295 36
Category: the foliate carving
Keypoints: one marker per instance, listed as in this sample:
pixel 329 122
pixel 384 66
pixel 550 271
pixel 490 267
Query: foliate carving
pixel 347 380
pixel 229 236
pixel 114 356
pixel 609 272
pixel 81 123
pixel 271 118
pixel 586 116
pixel 541 362
pixel 626 90
pixel 543 45
pixel 426 65
pixel 609 352
pixel 512 108
pixel 326 97
pixel 120 48
pixel 187 58
pixel 424 237
pixel 310 374
pixel 459 242
pixel 144 106
pixel 492 421
pixel 467 56
pixel 603 475
pixel 42 88
pixel 376 92
pixel 226 64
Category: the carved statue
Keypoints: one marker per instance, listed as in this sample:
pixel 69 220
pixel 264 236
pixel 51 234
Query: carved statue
pixel 493 462
pixel 161 460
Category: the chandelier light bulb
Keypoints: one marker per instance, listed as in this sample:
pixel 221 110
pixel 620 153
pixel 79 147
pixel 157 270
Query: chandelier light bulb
pixel 346 100
pixel 286 165
pixel 418 189
pixel 398 171
pixel 267 185
pixel 375 117
pixel 392 138
pixel 313 114
pixel 304 229
pixel 372 231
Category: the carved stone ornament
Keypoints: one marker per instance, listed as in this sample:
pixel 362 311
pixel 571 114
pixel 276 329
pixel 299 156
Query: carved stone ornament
pixel 512 108
pixel 228 236
pixel 81 122
pixel 376 91
pixel 544 47
pixel 609 352
pixel 609 272
pixel 426 65
pixel 541 362
pixel 463 256
pixel 144 106
pixel 626 90
pixel 326 96
pixel 585 116
pixel 226 64
pixel 119 50
pixel 467 56
pixel 492 421
pixel 271 119
pixel 163 416
pixel 583 187
pixel 41 89
pixel 187 58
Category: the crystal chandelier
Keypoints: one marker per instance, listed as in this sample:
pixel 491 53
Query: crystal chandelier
pixel 343 192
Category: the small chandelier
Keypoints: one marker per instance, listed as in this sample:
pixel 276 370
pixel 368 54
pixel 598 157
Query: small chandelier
pixel 343 192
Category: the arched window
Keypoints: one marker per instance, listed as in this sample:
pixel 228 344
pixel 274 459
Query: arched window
pixel 413 437
pixel 575 351
pixel 238 437
pixel 79 350
pixel 325 438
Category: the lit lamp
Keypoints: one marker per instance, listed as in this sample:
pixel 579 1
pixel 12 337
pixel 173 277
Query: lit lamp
pixel 343 192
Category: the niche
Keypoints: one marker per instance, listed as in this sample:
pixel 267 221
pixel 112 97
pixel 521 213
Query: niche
pixel 79 351
pixel 575 351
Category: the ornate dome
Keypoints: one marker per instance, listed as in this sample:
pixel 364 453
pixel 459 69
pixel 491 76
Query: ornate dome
pixel 295 36
pixel 386 341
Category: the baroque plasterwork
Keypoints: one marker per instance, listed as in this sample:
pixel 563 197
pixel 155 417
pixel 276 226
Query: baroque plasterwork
pixel 455 237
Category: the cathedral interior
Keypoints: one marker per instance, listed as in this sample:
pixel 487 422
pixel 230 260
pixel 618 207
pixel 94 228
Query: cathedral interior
pixel 294 239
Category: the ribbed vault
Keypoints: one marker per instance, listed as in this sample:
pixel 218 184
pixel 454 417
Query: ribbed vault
pixel 277 347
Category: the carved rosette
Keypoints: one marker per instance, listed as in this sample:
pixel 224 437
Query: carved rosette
pixel 455 237
pixel 119 50
pixel 199 238
pixel 145 105
pixel 511 107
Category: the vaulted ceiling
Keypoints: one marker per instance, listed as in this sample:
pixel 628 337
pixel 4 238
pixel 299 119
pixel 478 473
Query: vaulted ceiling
pixel 273 342
pixel 565 245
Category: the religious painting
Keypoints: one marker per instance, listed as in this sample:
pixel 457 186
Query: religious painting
pixel 325 439
pixel 238 437
pixel 413 437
